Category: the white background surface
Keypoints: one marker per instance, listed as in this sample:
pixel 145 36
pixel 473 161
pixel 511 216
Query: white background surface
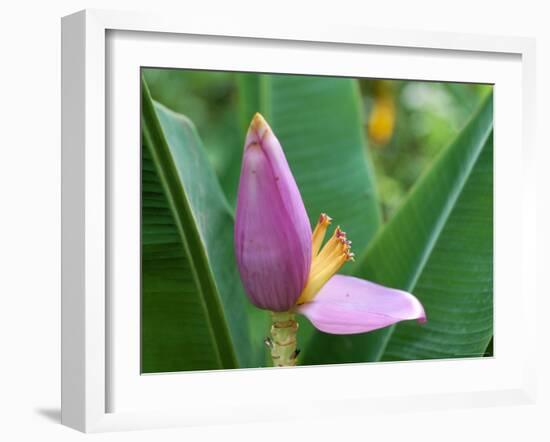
pixel 30 219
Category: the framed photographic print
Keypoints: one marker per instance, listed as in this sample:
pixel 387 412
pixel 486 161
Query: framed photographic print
pixel 257 216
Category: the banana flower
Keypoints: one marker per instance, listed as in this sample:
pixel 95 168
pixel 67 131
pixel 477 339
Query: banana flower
pixel 286 268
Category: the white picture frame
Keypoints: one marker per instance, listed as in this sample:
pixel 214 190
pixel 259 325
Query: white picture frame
pixel 94 41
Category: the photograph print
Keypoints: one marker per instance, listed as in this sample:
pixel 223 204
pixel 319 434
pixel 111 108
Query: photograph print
pixel 299 220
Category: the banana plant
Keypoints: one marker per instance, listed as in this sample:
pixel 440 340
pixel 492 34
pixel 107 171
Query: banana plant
pixel 416 287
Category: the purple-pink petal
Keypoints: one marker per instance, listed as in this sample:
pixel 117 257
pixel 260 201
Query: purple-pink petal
pixel 272 230
pixel 347 305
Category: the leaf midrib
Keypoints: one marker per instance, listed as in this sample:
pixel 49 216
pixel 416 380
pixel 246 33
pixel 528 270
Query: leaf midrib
pixel 439 227
pixel 449 207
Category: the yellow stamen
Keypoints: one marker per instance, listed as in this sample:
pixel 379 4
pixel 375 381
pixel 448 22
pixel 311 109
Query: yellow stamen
pixel 319 233
pixel 332 245
pixel 327 260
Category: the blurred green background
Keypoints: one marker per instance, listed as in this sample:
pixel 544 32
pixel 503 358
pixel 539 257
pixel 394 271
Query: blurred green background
pixel 406 123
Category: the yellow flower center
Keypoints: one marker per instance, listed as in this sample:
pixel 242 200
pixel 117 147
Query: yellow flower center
pixel 326 260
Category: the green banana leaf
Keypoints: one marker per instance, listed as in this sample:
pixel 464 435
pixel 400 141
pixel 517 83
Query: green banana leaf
pixel 194 311
pixel 439 246
pixel 456 284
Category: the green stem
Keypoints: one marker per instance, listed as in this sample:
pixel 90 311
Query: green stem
pixel 283 339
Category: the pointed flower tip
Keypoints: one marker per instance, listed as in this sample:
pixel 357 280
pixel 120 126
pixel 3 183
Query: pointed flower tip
pixel 257 119
pixel 257 132
pixel 258 125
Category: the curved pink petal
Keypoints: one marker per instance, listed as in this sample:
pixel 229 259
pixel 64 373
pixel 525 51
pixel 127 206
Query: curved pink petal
pixel 347 305
pixel 272 230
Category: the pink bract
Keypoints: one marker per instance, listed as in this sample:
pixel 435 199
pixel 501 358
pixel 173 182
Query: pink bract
pixel 347 305
pixel 272 231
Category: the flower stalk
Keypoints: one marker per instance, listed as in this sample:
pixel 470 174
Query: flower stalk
pixel 283 339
